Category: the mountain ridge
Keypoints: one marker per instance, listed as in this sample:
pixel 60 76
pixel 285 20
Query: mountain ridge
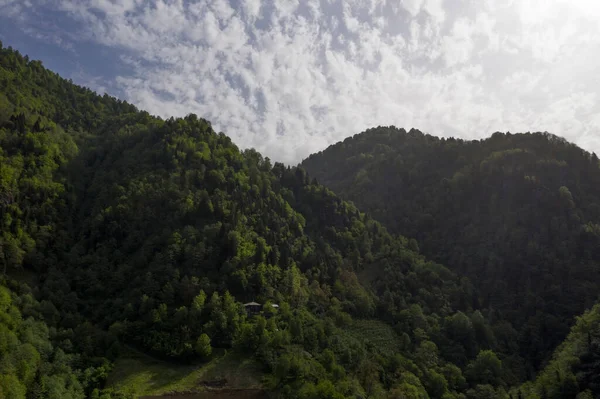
pixel 502 203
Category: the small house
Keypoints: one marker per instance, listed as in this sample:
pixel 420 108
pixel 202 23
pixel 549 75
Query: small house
pixel 253 307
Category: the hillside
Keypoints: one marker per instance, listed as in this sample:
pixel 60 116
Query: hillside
pixel 518 214
pixel 150 234
pixel 30 361
pixel 574 367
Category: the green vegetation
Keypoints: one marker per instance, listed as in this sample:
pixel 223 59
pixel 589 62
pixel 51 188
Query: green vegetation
pixel 517 214
pixel 37 360
pixel 573 370
pixel 149 234
pixel 138 374
pixel 377 335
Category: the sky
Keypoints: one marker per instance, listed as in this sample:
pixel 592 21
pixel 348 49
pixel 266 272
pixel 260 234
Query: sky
pixel 290 77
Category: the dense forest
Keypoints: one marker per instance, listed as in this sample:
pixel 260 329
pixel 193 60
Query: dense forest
pixel 519 214
pixel 123 230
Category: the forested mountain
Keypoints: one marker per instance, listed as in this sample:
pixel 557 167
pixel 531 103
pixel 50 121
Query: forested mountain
pixel 519 214
pixel 151 233
pixel 138 232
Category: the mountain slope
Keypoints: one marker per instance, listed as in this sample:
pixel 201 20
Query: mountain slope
pixel 38 358
pixel 519 214
pixel 154 232
pixel 574 367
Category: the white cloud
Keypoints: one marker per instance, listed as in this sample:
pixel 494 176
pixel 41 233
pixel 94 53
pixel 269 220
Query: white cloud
pixel 412 6
pixel 435 9
pixel 351 22
pixel 252 8
pixel 459 45
pixel 291 77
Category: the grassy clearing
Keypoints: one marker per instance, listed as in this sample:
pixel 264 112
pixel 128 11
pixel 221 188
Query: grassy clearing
pixel 137 374
pixel 377 333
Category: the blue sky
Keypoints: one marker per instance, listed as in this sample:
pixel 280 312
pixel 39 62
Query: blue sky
pixel 291 77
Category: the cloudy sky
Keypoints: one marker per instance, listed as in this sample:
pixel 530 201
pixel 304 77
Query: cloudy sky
pixel 289 77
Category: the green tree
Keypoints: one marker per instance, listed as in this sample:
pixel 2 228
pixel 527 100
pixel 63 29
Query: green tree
pixel 203 348
pixel 485 369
